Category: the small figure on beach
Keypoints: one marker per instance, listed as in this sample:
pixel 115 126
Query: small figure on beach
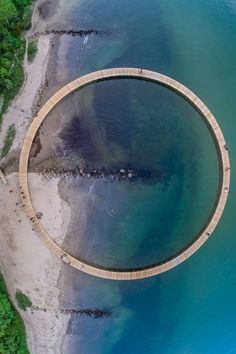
pixel 141 70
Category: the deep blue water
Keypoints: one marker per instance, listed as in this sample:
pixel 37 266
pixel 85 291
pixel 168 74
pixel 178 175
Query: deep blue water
pixel 190 309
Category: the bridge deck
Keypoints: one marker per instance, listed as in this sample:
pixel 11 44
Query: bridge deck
pixel 133 73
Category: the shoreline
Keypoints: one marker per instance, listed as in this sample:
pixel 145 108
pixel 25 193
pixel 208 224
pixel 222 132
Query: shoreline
pixel 25 261
pixel 29 266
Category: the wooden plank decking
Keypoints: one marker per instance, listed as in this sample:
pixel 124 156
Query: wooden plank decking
pixel 133 73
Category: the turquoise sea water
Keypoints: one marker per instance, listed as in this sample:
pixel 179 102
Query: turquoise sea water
pixel 190 309
pixel 139 125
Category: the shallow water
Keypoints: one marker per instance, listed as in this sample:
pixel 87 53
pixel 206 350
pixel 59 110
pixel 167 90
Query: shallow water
pixel 190 309
pixel 138 125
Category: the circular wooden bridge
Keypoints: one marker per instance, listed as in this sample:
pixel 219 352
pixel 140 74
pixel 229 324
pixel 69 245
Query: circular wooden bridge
pixel 138 273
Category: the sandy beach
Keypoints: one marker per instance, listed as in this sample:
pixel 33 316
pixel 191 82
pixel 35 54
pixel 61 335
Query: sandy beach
pixel 25 261
pixel 28 265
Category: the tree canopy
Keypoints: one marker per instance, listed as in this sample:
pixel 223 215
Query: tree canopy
pixel 8 11
pixel 15 17
pixel 12 332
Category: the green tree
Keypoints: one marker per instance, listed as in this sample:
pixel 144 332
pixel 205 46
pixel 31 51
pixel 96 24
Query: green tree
pixel 12 332
pixel 8 11
pixel 8 84
pixel 5 63
pixel 3 73
pixel 15 17
pixel 6 314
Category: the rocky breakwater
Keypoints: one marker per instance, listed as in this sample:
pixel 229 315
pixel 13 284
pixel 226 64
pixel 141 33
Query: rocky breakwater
pixel 93 313
pixel 70 32
pixel 118 175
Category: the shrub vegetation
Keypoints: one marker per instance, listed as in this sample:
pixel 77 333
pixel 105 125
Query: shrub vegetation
pixel 22 300
pixel 8 140
pixel 12 331
pixel 32 50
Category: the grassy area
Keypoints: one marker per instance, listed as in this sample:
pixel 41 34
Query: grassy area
pixel 22 300
pixel 32 50
pixel 11 132
pixel 12 330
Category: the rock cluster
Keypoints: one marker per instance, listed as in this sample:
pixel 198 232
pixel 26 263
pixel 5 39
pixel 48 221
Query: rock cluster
pixel 120 174
pixel 94 313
